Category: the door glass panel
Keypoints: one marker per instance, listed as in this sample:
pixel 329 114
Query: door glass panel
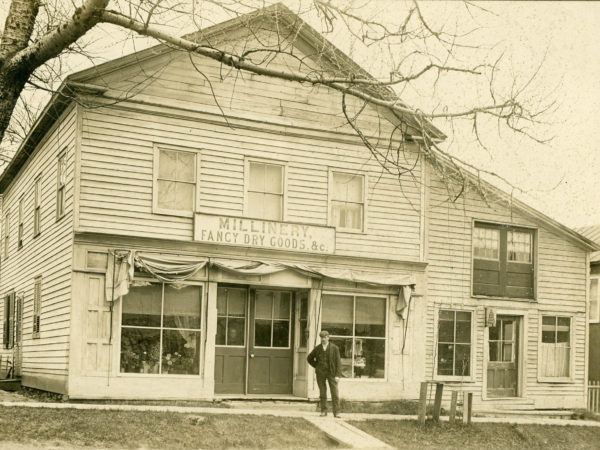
pixel 263 308
pixel 236 302
pixel 281 305
pixel 494 351
pixel 507 330
pixel 507 355
pixel 262 333
pixel 236 331
pixel 281 333
pixel 221 330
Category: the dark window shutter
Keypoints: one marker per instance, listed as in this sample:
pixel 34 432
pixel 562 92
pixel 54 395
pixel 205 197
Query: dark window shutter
pixel 519 280
pixel 486 277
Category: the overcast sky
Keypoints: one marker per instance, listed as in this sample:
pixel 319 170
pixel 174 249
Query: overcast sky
pixel 561 178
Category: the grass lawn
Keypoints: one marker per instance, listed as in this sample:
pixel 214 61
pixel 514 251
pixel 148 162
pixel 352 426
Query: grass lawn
pixel 410 434
pixel 34 427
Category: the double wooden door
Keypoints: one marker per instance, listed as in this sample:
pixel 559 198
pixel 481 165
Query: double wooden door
pixel 503 363
pixel 254 351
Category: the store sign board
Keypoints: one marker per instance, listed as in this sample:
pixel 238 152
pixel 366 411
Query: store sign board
pixel 298 237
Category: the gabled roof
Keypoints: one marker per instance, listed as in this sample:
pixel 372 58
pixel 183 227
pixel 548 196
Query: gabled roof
pixel 278 13
pixel 592 232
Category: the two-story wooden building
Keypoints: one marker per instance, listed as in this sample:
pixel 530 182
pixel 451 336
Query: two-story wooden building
pixel 174 231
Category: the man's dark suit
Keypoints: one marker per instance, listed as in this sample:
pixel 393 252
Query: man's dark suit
pixel 328 365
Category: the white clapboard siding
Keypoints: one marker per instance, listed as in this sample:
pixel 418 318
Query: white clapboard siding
pixel 116 178
pixel 560 287
pixel 47 255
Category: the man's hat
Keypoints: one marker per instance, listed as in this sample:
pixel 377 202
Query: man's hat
pixel 324 333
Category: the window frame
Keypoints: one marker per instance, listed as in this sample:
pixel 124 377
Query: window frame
pixel 37 206
pixel 6 236
pixel 386 337
pixel 21 223
pixel 330 200
pixel 504 228
pixel 203 317
pixel 61 187
pixel 546 379
pixel 597 319
pixel 156 209
pixel 472 353
pixel 37 307
pixel 284 194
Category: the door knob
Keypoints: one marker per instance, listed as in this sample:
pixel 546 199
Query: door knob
pixel 251 355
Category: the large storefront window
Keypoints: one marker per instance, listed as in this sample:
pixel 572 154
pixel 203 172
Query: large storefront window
pixel 357 326
pixel 160 330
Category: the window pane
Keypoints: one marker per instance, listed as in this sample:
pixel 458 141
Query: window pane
pixel 141 307
pixel 348 187
pixel 486 242
pixel 563 330
pixel 370 317
pixel 186 166
pixel 594 310
pixel 446 330
pixel 181 352
pixel 166 194
pixel 345 346
pixel 463 360
pixel 281 333
pixel 257 177
pixel 519 246
pixel 507 353
pixel 167 164
pixel 549 329
pixel 236 331
pixel 182 307
pixel 272 207
pixel 264 305
pixel 255 204
pixel 507 332
pixel 281 305
pixel 337 314
pixel 369 360
pixel 184 196
pixel 274 179
pixel 347 215
pixel 463 332
pixel 445 359
pixel 262 333
pixel 221 302
pixel 494 332
pixel 140 350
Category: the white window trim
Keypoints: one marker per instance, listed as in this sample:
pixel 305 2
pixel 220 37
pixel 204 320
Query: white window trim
pixel 275 162
pixel 330 223
pixel 386 338
pixel 196 203
pixel 570 378
pixel 60 215
pixel 473 366
pixel 595 277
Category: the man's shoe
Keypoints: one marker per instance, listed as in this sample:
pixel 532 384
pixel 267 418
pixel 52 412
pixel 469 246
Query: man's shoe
pixel 323 413
pixel 337 415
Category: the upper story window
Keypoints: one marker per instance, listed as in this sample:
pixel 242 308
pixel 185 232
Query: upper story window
pixel 503 261
pixel 61 185
pixel 20 229
pixel 347 201
pixel 6 242
pixel 175 181
pixel 37 306
pixel 594 304
pixel 37 207
pixel 265 190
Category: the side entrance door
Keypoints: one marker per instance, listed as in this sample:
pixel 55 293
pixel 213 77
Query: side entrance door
pixel 254 352
pixel 502 369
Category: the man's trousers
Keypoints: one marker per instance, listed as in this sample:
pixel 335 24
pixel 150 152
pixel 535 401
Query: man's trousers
pixel 322 380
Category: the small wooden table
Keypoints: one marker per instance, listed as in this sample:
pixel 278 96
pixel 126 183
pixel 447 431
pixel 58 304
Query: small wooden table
pixel 437 404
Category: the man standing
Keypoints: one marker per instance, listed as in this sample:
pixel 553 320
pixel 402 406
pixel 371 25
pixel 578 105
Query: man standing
pixel 325 358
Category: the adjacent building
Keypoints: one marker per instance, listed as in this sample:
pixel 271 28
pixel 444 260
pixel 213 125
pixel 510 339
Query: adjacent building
pixel 171 230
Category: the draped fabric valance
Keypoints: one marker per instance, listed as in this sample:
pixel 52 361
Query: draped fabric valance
pixel 175 269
